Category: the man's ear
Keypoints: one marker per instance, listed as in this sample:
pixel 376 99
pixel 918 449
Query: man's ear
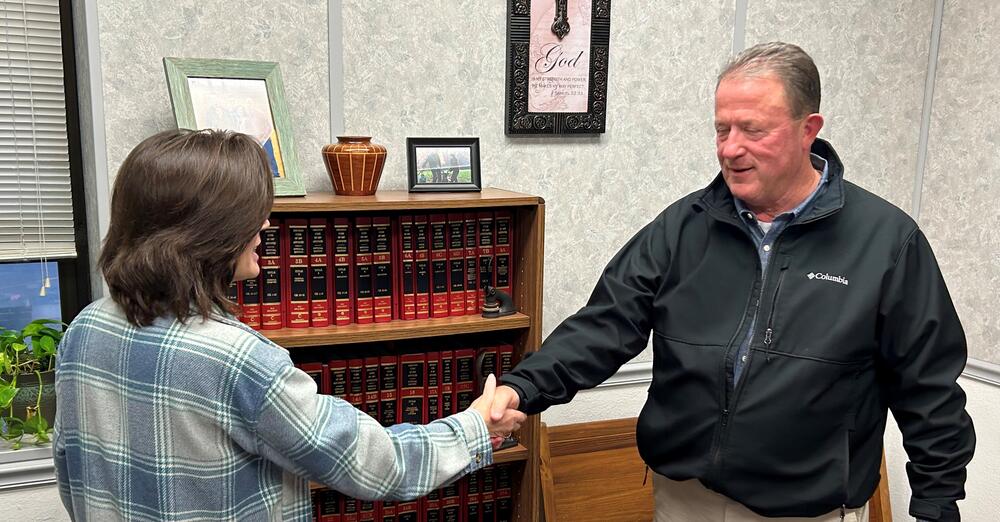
pixel 811 127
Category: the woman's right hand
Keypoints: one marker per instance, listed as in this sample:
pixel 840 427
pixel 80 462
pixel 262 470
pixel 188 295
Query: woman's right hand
pixel 501 428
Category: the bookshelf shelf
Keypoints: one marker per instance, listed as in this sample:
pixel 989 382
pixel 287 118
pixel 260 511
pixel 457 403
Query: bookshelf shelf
pixel 403 201
pixel 394 330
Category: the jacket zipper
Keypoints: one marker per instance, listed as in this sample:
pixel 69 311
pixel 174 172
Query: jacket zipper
pixel 769 331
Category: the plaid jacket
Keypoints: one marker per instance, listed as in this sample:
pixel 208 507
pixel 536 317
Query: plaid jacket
pixel 211 421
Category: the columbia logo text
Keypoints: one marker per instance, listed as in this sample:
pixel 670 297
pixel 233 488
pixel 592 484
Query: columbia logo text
pixel 828 277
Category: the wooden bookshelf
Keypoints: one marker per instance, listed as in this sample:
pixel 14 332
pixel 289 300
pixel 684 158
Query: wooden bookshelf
pixel 524 327
pixel 394 330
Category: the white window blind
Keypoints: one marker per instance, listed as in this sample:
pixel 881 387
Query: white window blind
pixel 36 208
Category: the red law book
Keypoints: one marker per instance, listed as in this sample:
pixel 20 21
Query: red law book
pixel 503 249
pixel 329 506
pixel 485 248
pixel 389 511
pixel 471 498
pixel 439 266
pixel 487 362
pixel 409 297
pixel 407 511
pixel 349 509
pixel 356 383
pixel 421 266
pixel 447 383
pixel 295 254
pixel 504 494
pixel 382 268
pixel 506 352
pixel 472 289
pixel 342 272
pixel 319 268
pixel 412 391
pixel 456 264
pixel 433 388
pixel 318 373
pixel 337 370
pixel 364 312
pixel 430 506
pixel 371 387
pixel 368 511
pixel 250 302
pixel 465 380
pixel 271 314
pixel 233 292
pixel 451 502
pixel 314 498
pixel 487 495
pixel 388 376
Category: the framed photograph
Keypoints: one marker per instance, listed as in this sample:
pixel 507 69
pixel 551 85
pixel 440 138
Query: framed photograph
pixel 243 96
pixel 557 66
pixel 443 164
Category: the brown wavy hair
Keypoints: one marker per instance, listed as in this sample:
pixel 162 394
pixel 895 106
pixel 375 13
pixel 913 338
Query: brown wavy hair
pixel 184 207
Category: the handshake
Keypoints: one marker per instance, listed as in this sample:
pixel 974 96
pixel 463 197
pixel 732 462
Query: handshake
pixel 497 406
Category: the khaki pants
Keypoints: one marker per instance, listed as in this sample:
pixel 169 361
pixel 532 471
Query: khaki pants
pixel 689 501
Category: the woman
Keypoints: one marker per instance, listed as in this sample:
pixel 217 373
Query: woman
pixel 170 409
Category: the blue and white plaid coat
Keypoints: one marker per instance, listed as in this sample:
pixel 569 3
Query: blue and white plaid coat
pixel 209 420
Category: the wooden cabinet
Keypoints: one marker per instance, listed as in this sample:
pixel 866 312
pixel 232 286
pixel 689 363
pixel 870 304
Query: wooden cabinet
pixel 522 329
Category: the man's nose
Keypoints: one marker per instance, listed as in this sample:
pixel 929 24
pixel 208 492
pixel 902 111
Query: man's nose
pixel 732 147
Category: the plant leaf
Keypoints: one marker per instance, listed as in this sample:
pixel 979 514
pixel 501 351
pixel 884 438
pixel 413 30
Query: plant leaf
pixel 7 393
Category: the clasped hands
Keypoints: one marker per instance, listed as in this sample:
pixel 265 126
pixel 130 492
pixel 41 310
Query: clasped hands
pixel 497 406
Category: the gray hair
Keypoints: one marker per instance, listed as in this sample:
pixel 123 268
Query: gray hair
pixel 790 64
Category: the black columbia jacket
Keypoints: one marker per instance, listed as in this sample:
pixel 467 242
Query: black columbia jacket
pixel 854 318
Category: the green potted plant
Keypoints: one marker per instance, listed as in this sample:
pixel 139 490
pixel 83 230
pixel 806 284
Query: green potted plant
pixel 27 380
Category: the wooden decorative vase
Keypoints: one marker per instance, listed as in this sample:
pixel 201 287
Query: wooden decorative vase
pixel 354 165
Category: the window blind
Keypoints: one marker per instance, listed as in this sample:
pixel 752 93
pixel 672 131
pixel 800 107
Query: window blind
pixel 36 208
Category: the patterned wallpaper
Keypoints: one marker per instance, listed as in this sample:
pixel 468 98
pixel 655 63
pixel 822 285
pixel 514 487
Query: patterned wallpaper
pixel 135 35
pixel 436 68
pixel 959 211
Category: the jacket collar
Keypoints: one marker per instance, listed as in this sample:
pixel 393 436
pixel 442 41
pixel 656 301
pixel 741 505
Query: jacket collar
pixel 718 200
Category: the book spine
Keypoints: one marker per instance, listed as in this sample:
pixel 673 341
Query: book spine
pixel 388 374
pixel 487 495
pixel 408 511
pixel 409 300
pixel 250 302
pixel 506 352
pixel 368 511
pixel 451 502
pixel 421 266
pixel 456 264
pixel 363 301
pixel 349 509
pixel 439 266
pixel 329 506
pixel 447 383
pixel 485 248
pixel 356 383
pixel 504 494
pixel 486 364
pixel 382 268
pixel 317 372
pixel 338 377
pixel 504 250
pixel 389 511
pixel 472 289
pixel 470 496
pixel 342 280
pixel 270 263
pixel 412 394
pixel 431 506
pixel 433 388
pixel 465 380
pixel 319 266
pixel 371 387
pixel 296 286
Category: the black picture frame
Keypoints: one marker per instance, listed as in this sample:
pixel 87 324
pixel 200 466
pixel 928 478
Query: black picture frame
pixel 442 171
pixel 518 120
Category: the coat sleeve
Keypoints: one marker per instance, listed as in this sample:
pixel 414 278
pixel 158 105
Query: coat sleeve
pixel 923 352
pixel 614 326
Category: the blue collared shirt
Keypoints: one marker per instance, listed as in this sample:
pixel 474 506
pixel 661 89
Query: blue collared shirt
pixel 764 236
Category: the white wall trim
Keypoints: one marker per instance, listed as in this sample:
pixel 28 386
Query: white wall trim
pixel 925 116
pixel 26 467
pixel 983 371
pixel 740 26
pixel 637 373
pixel 335 50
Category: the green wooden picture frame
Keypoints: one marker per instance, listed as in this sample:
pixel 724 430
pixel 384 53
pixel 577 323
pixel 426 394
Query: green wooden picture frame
pixel 280 144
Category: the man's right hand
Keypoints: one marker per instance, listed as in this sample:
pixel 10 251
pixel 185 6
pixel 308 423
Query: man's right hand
pixel 505 398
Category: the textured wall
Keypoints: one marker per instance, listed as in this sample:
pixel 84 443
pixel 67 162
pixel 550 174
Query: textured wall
pixel 872 60
pixel 436 68
pixel 959 210
pixel 135 35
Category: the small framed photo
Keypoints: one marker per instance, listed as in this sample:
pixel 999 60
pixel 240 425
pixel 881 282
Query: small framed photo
pixel 242 96
pixel 443 164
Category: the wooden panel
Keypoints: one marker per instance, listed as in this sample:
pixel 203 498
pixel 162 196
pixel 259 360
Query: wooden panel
pixel 597 473
pixel 402 200
pixel 394 330
pixel 879 507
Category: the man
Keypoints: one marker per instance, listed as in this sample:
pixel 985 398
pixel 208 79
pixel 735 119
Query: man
pixel 789 310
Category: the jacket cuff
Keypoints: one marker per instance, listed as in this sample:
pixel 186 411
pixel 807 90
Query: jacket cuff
pixel 527 394
pixel 928 511
pixel 477 439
